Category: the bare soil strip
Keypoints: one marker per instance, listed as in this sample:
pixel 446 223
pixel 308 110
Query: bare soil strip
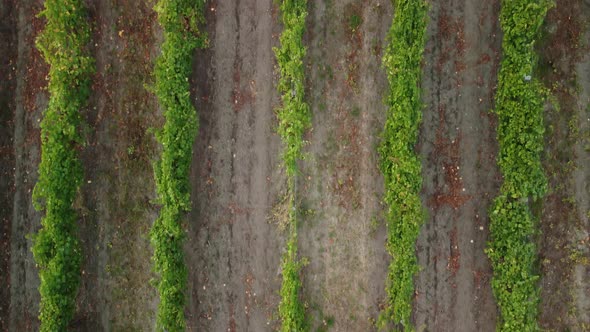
pixel 115 198
pixel 581 179
pixel 342 232
pixel 8 54
pixel 564 227
pixel 581 240
pixel 458 146
pixel 30 101
pixel 233 251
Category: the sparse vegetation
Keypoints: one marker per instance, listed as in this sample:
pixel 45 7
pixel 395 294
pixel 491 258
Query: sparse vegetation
pixel 354 22
pixel 294 118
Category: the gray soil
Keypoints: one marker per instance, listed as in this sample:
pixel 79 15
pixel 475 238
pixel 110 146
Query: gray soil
pixel 116 196
pixel 581 175
pixel 458 149
pixel 233 252
pixel 7 87
pixel 342 233
pixel 30 100
pixel 234 237
pixel 563 241
pixel 564 237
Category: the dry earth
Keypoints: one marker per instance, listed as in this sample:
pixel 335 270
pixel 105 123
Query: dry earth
pixel 458 149
pixel 116 196
pixel 30 100
pixel 342 233
pixel 564 239
pixel 7 85
pixel 233 250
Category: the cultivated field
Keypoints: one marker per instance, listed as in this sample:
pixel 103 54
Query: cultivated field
pixel 245 203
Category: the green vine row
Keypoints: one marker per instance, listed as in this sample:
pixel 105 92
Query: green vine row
pixel 294 118
pixel 399 163
pixel 519 106
pixel 56 247
pixel 180 20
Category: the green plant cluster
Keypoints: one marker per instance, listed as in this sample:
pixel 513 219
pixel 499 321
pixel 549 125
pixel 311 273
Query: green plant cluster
pixel 519 106
pixel 291 310
pixel 399 163
pixel 56 248
pixel 180 20
pixel 294 118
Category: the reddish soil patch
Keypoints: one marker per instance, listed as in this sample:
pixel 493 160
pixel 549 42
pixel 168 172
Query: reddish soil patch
pixel 447 152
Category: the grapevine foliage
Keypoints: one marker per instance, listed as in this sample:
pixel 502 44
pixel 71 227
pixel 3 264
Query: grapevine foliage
pixel 519 106
pixel 180 20
pixel 56 247
pixel 400 165
pixel 294 118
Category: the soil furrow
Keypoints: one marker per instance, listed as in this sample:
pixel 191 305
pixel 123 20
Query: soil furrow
pixel 458 148
pixel 115 206
pixel 31 100
pixel 581 286
pixel 342 232
pixel 8 42
pixel 563 240
pixel 582 189
pixel 234 252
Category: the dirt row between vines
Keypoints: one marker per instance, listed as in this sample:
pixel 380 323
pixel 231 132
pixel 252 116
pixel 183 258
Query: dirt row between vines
pixel 458 149
pixel 30 73
pixel 8 40
pixel 564 254
pixel 233 251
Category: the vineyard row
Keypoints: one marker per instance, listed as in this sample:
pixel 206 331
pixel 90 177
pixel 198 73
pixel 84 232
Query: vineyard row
pixel 294 118
pixel 399 164
pixel 519 106
pixel 56 247
pixel 180 20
